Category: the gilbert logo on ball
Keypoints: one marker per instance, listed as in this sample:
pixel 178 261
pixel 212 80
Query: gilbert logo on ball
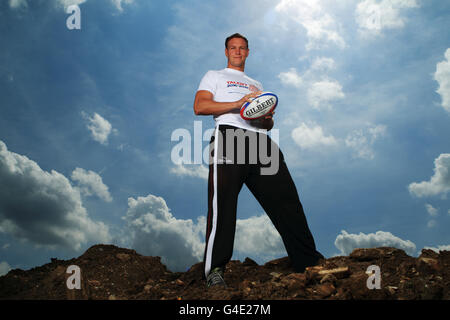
pixel 260 106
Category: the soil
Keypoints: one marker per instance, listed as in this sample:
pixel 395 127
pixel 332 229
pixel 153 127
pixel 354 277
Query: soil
pixel 112 273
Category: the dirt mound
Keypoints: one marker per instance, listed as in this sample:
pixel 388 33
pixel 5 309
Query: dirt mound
pixel 110 272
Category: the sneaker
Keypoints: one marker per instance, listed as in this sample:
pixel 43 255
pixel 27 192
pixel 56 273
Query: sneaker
pixel 215 277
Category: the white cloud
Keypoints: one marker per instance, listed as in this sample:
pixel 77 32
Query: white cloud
pixel 438 184
pixel 118 3
pixel 347 242
pixel 4 268
pixel 153 230
pixel 42 207
pixel 374 16
pixel 197 171
pixel 431 224
pixel 442 76
pixel 322 64
pixel 67 3
pixel 64 3
pixel 321 93
pixel 291 78
pixel 100 128
pixel 433 212
pixel 311 137
pixel 313 16
pixel 361 141
pixel 439 248
pixel 90 183
pixel 257 236
pixel 320 89
pixel 14 4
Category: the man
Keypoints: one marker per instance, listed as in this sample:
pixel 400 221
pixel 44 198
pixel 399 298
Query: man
pixel 221 94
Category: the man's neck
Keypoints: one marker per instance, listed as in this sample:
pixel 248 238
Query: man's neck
pixel 241 69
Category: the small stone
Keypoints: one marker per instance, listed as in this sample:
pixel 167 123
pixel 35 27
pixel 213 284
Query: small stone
pixel 249 262
pixel 337 272
pixel 276 275
pixel 123 257
pixel 328 278
pixel 314 269
pixel 392 289
pixel 60 270
pixel 295 281
pixel 325 290
pixel 94 283
pixel 179 282
pixel 428 260
pixel 147 288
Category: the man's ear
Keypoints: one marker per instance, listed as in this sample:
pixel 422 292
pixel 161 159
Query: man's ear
pixel 226 52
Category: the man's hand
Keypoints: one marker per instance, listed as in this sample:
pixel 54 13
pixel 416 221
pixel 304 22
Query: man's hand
pixel 247 98
pixel 265 122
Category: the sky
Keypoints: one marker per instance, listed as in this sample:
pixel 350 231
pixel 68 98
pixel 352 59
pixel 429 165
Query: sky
pixel 96 102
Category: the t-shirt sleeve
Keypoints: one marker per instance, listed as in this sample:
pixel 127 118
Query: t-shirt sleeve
pixel 260 86
pixel 208 83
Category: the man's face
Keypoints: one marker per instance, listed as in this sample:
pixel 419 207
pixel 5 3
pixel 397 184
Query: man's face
pixel 237 52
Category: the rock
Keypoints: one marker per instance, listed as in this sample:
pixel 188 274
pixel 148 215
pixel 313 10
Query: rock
pixel 429 261
pixel 391 289
pixel 123 257
pixel 371 254
pixel 339 273
pixel 249 262
pixel 428 253
pixel 276 275
pixel 179 282
pixel 147 288
pixel 319 272
pixel 245 284
pixel 329 278
pixel 94 283
pixel 60 270
pixel 295 281
pixel 324 290
pixel 315 269
pixel 280 264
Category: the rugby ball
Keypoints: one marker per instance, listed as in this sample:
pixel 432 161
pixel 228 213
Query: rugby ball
pixel 260 106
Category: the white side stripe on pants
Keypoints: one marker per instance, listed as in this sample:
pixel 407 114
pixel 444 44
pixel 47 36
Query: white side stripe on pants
pixel 210 243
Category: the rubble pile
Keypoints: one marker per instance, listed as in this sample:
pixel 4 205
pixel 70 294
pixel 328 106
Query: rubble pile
pixel 107 272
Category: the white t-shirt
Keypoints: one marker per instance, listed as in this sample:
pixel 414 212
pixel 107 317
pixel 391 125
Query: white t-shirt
pixel 229 85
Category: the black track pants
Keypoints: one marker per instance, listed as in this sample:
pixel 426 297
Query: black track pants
pixel 237 156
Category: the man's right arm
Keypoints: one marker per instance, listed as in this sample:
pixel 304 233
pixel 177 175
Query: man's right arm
pixel 204 103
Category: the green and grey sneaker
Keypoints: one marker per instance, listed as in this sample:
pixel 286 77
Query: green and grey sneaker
pixel 215 277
